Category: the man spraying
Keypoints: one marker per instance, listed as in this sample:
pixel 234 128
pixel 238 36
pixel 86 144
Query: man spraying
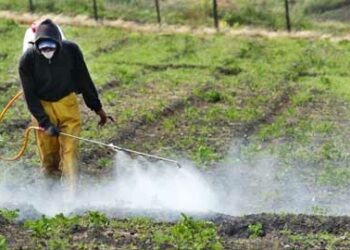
pixel 51 73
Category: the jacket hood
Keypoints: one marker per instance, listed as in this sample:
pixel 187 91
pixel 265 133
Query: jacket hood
pixel 48 30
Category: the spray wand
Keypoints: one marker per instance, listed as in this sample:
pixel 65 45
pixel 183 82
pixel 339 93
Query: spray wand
pixel 117 148
pixel 111 146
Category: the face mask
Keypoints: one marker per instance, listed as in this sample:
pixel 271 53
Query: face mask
pixel 48 54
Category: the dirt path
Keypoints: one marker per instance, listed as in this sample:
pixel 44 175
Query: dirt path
pixel 82 20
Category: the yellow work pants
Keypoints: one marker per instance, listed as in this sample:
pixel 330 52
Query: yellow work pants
pixel 59 155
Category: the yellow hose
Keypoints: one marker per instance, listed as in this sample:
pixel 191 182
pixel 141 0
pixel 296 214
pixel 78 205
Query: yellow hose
pixel 26 132
pixel 9 105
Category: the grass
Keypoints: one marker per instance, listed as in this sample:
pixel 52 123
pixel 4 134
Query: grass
pixel 269 14
pixel 221 85
pixel 325 240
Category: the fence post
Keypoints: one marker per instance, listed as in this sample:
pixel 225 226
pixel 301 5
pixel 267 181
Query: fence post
pixel 95 9
pixel 158 12
pixel 215 14
pixel 288 24
pixel 31 6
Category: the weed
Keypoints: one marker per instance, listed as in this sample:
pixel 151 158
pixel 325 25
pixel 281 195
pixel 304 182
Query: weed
pixel 334 176
pixel 10 215
pixel 256 230
pixel 329 151
pixel 318 210
pixel 232 113
pixel 58 244
pixel 96 219
pixel 211 96
pixel 205 154
pixel 190 234
pixel 168 124
pixel 3 245
pixel 50 227
pixel 320 240
pixel 104 162
pixel 41 228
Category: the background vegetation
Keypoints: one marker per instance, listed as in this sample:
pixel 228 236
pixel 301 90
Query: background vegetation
pixel 233 13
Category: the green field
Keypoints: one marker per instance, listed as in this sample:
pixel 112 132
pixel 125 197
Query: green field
pixel 197 96
pixel 331 16
pixel 199 92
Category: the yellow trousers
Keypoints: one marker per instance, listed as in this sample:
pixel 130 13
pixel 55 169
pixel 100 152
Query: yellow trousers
pixel 59 155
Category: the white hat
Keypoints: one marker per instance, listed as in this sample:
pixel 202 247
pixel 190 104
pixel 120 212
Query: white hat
pixel 47 44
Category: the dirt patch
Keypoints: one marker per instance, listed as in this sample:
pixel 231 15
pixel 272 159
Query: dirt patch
pixel 14 125
pixel 237 227
pixel 16 236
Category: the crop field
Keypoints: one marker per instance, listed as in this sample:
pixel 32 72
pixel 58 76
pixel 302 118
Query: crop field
pixel 264 121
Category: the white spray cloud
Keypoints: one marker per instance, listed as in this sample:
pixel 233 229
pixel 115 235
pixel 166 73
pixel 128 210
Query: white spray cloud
pixel 236 188
pixel 135 185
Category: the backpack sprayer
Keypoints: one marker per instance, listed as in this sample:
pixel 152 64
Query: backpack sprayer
pixel 111 146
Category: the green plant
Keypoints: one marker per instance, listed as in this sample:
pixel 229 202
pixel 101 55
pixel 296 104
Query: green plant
pixel 318 210
pixel 169 124
pixel 10 215
pixel 190 234
pixel 205 154
pixel 96 219
pixel 256 230
pixel 58 244
pixel 41 228
pixel 104 162
pixel 50 227
pixel 3 245
pixel 212 96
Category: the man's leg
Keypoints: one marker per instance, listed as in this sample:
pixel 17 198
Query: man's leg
pixel 68 114
pixel 48 146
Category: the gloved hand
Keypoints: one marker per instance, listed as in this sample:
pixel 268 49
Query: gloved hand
pixel 52 130
pixel 103 117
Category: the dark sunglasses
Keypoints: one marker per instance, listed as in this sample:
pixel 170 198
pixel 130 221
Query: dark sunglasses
pixel 47 49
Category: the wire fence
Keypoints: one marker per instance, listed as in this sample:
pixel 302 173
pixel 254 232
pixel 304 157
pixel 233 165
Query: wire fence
pixel 275 14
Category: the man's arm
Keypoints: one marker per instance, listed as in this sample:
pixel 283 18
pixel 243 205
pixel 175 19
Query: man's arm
pixel 84 82
pixel 28 85
pixel 86 86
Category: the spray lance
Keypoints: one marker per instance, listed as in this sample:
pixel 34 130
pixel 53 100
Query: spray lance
pixel 117 148
pixel 111 146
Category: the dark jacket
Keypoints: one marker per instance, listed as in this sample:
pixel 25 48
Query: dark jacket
pixel 51 80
